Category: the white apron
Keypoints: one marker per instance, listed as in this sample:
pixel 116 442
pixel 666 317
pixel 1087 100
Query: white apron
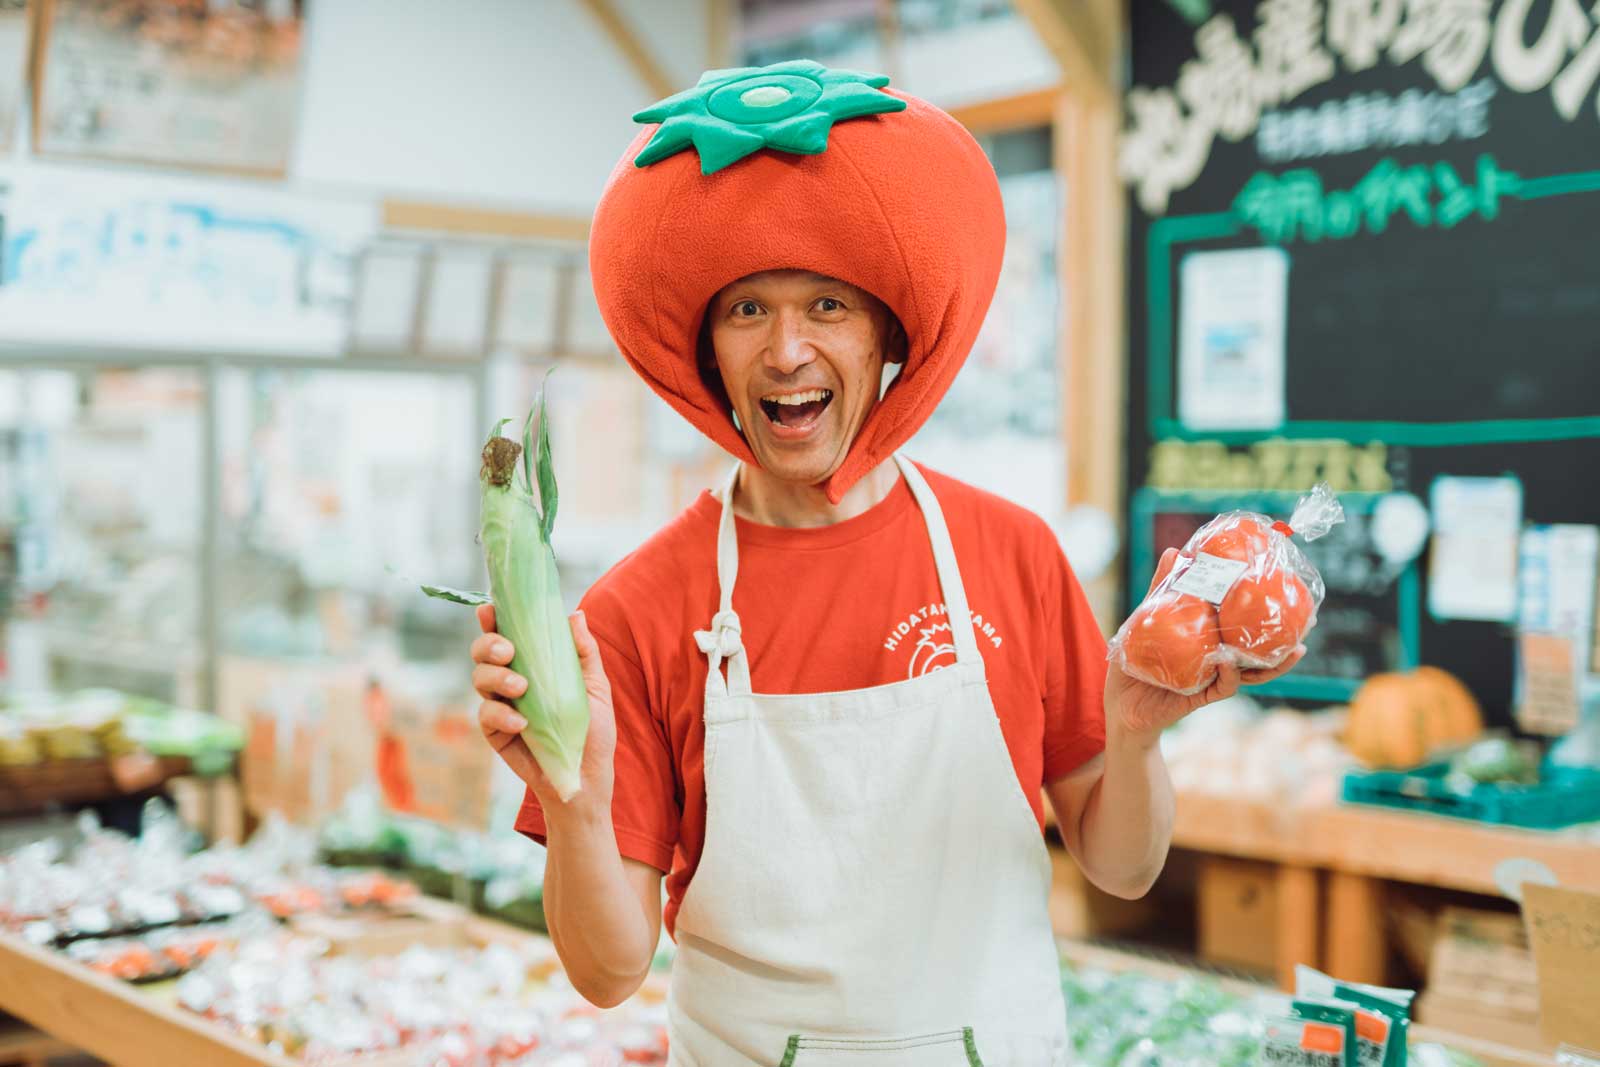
pixel 873 887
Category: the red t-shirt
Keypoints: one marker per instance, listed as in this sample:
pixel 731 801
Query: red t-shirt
pixel 847 606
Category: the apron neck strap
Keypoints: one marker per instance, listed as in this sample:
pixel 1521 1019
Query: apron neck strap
pixel 727 543
pixel 944 560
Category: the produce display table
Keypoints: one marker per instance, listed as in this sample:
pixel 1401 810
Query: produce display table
pixel 125 1025
pixel 142 1026
pixel 1344 852
pixel 139 1026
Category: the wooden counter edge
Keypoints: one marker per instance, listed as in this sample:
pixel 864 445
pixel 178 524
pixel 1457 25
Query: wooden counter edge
pixel 111 1019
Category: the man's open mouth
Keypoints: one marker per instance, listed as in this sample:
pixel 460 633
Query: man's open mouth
pixel 796 410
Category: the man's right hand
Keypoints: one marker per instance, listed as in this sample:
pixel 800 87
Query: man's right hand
pixel 502 724
pixel 604 911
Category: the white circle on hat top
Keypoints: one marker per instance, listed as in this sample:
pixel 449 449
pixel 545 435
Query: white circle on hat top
pixel 764 96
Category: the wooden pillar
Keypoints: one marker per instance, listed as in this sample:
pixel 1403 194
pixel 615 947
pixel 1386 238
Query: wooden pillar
pixel 1087 39
pixel 1093 334
pixel 1355 928
pixel 1299 921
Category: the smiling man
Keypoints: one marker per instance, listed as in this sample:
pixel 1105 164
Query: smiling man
pixel 826 698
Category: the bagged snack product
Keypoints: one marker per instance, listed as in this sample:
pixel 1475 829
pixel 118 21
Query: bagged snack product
pixel 1241 592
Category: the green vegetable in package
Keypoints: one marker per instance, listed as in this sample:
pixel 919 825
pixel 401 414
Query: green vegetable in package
pixel 526 593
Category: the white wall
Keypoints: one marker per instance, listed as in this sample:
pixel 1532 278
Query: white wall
pixel 522 102
pixel 996 58
pixel 527 103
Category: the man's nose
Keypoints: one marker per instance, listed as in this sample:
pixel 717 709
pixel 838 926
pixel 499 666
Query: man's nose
pixel 789 347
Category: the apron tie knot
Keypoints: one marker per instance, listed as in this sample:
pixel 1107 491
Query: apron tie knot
pixel 722 640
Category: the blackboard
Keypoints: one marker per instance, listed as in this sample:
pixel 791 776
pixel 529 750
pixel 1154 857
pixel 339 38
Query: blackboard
pixel 1435 189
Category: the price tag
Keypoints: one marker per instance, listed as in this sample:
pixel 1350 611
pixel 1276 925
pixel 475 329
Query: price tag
pixel 1210 577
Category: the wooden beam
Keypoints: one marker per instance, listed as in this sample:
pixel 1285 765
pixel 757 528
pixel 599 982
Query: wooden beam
pixel 1355 929
pixel 448 218
pixel 1297 926
pixel 633 50
pixel 1010 112
pixel 719 29
pixel 1092 267
pixel 1083 46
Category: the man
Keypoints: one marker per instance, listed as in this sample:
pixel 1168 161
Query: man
pixel 826 699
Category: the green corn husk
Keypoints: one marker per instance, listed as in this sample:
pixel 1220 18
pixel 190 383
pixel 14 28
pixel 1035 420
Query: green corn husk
pixel 526 593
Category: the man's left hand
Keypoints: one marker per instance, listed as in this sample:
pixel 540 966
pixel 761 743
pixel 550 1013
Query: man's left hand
pixel 1137 711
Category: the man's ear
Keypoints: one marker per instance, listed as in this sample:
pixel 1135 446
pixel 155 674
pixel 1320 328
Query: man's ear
pixel 895 351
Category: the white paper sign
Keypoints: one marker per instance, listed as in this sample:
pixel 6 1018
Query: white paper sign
pixel 1234 307
pixel 1210 577
pixel 97 259
pixel 1473 569
pixel 1557 577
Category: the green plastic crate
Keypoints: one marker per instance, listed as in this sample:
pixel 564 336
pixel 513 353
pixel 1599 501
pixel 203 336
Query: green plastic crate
pixel 1566 796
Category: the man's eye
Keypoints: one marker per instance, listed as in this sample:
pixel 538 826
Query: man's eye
pixel 746 307
pixel 828 303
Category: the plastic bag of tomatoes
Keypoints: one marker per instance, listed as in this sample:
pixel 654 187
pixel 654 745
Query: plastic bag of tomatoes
pixel 1240 592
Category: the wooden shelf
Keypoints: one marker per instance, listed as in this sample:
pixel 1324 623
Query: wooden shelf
pixel 1395 845
pixel 36 787
pixel 1332 859
pixel 20 1044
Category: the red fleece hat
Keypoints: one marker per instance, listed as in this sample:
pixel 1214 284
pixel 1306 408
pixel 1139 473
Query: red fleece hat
pixel 903 205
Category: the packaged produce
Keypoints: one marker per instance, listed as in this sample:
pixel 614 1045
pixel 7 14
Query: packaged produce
pixel 1331 1013
pixel 526 591
pixel 1240 591
pixel 1383 1015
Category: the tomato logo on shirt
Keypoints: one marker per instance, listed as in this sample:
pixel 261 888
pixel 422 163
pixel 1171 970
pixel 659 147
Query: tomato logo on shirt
pixel 932 652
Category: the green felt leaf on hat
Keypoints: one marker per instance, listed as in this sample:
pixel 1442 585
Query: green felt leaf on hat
pixel 732 113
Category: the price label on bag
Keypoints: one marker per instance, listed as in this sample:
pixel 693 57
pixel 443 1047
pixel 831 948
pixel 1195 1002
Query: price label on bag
pixel 1210 577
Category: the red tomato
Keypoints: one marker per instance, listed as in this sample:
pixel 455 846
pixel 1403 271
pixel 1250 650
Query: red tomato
pixel 1265 616
pixel 1168 640
pixel 1242 539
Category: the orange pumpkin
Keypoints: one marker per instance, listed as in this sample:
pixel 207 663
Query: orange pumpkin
pixel 1399 719
pixel 1456 711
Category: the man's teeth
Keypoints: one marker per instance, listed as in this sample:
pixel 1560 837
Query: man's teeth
pixel 799 398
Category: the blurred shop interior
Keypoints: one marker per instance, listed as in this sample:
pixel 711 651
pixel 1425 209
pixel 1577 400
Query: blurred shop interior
pixel 269 271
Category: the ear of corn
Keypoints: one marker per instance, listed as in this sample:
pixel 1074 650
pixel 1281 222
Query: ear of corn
pixel 525 589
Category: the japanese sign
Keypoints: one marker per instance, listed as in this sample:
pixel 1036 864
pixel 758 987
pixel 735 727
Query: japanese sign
pixel 1244 82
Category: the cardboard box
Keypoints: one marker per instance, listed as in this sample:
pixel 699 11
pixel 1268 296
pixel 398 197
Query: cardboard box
pixel 1564 928
pixel 1482 958
pixel 1467 1016
pixel 1238 912
pixel 1483 982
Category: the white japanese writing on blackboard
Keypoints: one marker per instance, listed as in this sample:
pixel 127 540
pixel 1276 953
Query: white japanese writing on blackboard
pixel 1366 121
pixel 1233 84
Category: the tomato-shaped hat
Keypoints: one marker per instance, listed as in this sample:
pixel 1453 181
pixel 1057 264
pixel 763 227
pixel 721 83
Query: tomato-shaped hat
pixel 796 166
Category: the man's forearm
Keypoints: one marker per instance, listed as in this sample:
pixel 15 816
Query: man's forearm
pixel 1126 827
pixel 594 915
